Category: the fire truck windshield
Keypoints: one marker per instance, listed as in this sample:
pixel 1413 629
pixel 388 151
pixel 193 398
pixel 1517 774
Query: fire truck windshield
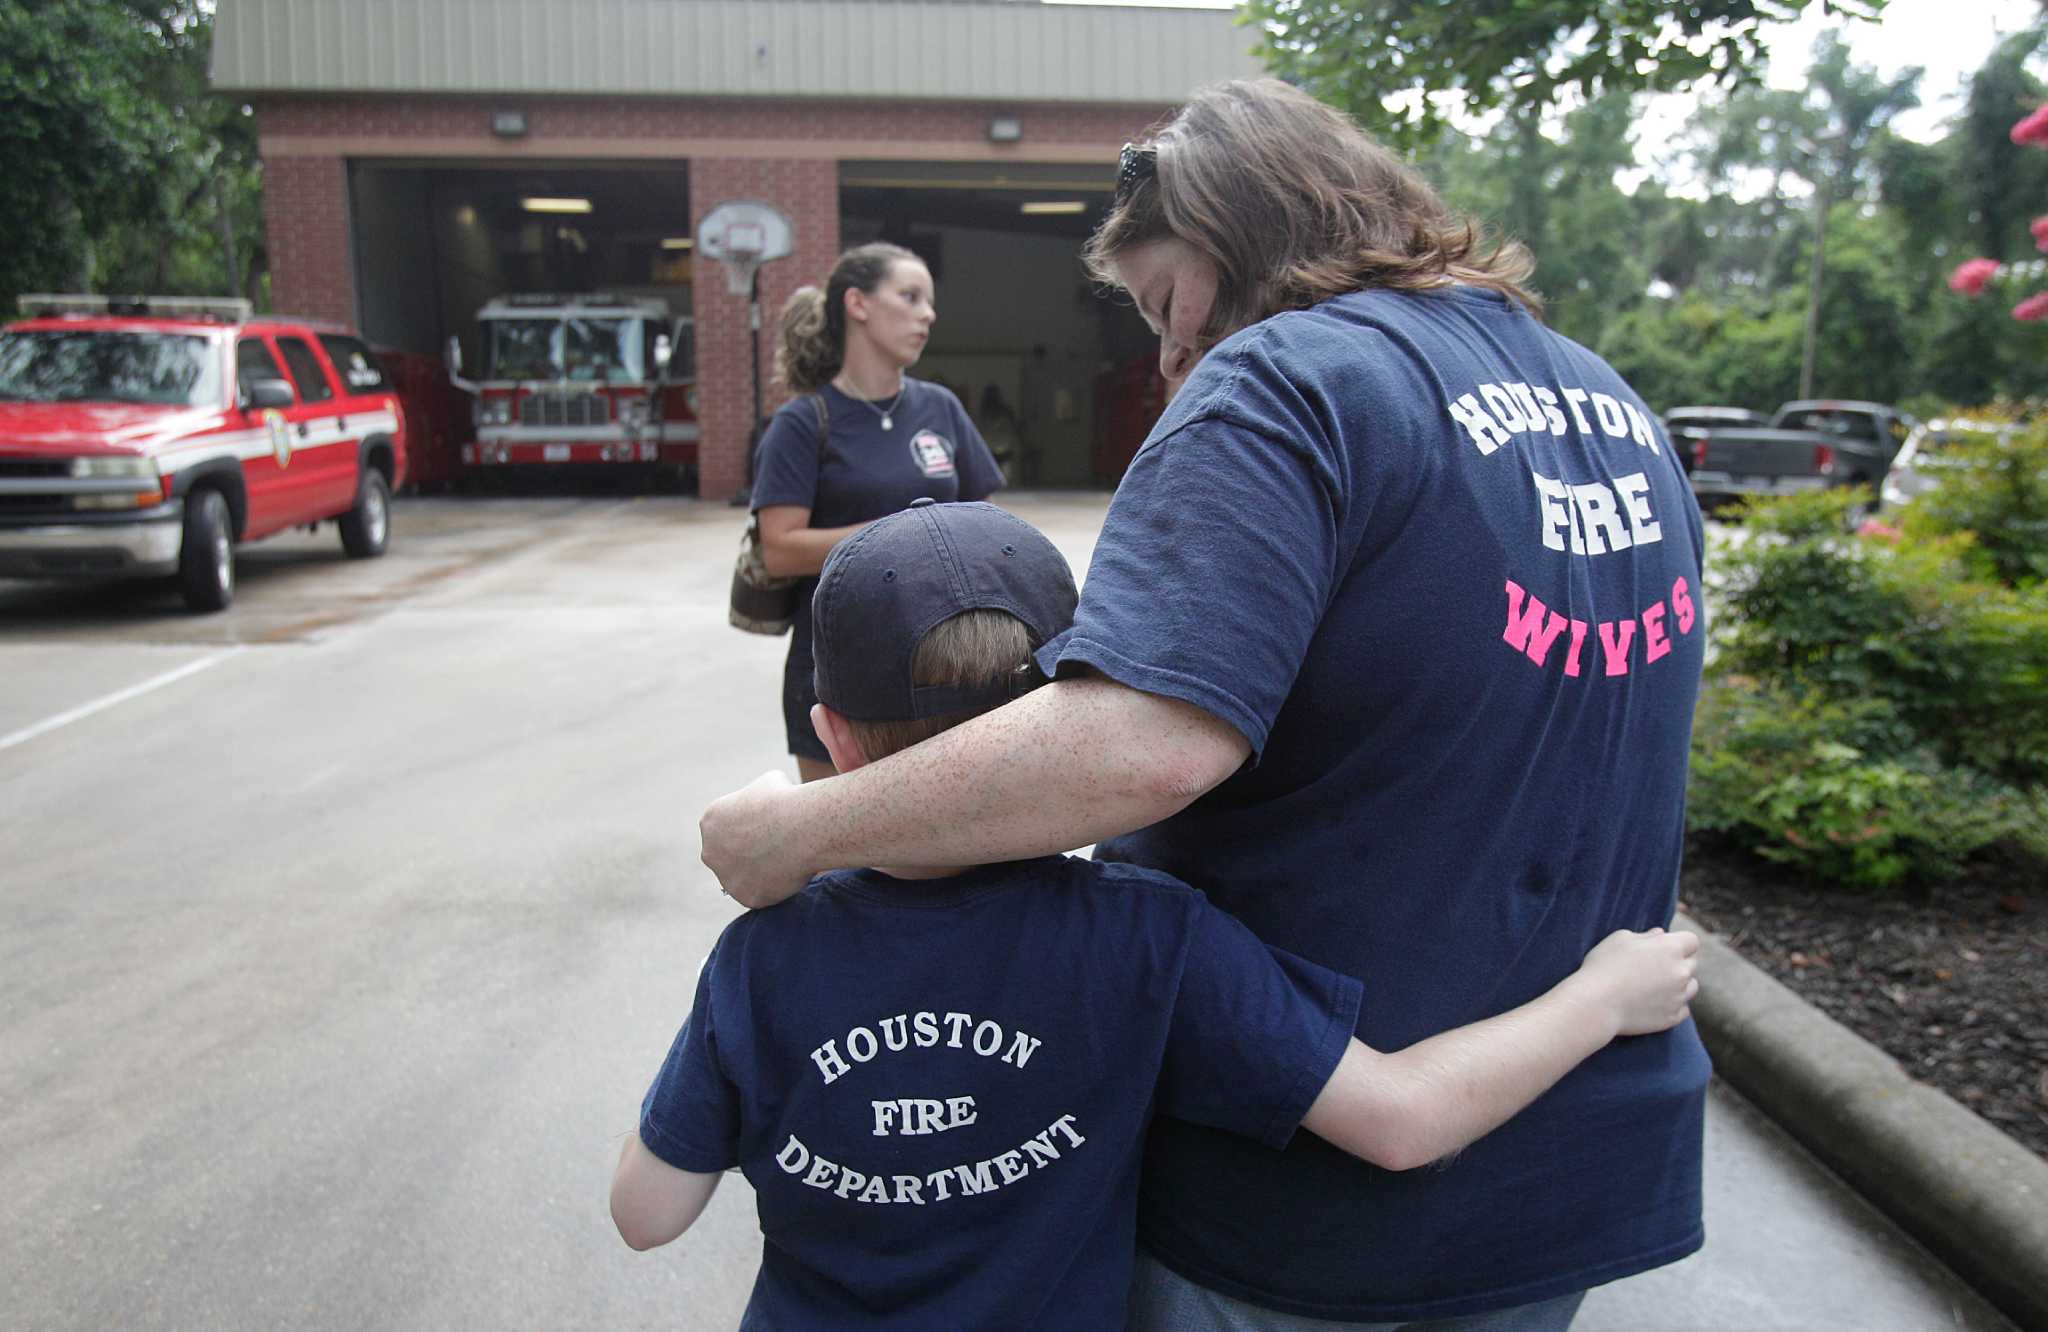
pixel 168 369
pixel 574 347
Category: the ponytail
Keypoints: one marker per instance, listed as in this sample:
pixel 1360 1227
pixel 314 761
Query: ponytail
pixel 806 355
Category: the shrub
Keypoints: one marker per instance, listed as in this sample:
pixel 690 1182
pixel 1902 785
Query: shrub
pixel 1963 664
pixel 1998 492
pixel 1876 708
pixel 1837 790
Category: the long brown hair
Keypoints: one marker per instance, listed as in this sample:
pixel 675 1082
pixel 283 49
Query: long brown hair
pixel 810 340
pixel 1295 204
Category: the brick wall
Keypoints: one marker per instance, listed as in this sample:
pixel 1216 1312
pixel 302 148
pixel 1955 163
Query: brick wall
pixel 305 217
pixel 784 153
pixel 807 192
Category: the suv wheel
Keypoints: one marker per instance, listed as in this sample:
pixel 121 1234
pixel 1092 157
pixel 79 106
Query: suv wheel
pixel 366 529
pixel 206 555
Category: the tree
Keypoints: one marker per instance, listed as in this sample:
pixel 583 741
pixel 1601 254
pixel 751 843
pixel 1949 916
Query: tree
pixel 1518 55
pixel 126 172
pixel 76 128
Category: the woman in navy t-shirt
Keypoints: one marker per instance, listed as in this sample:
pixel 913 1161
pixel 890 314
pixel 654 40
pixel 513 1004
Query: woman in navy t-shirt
pixel 888 439
pixel 1390 645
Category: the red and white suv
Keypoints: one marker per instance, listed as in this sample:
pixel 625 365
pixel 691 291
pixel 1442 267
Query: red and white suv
pixel 146 437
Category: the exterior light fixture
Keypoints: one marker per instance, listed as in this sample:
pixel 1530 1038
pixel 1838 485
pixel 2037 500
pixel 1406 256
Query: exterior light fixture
pixel 1054 207
pixel 1005 129
pixel 543 204
pixel 677 243
pixel 508 124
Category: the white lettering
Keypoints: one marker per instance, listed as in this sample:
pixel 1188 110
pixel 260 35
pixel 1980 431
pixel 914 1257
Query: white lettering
pixel 1502 404
pixel 1021 1049
pixel 856 1039
pixel 896 1032
pixel 927 1025
pixel 995 1038
pixel 826 1057
pixel 1554 516
pixel 1639 428
pixel 963 1112
pixel 1599 519
pixel 1573 397
pixel 1485 431
pixel 1611 419
pixel 909 1188
pixel 794 1156
pixel 1550 412
pixel 1635 501
pixel 958 1022
pixel 1011 1165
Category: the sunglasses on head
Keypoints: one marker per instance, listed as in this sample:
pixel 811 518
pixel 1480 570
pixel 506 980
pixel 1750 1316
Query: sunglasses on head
pixel 1134 165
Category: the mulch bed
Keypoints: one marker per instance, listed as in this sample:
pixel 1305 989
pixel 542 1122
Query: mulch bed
pixel 1953 984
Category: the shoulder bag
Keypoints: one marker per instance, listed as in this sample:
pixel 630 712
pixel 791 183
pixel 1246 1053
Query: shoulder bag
pixel 761 602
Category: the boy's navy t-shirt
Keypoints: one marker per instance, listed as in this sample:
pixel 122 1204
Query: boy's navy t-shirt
pixel 1439 566
pixel 865 472
pixel 939 1088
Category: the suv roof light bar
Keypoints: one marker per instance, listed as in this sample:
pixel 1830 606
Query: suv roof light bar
pixel 226 308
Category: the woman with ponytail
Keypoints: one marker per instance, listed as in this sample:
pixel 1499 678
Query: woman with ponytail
pixel 887 439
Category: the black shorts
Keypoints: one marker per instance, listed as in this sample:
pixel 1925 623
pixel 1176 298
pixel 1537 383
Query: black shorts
pixel 799 691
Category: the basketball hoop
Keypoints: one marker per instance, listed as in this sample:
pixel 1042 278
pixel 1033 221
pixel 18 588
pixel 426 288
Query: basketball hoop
pixel 742 236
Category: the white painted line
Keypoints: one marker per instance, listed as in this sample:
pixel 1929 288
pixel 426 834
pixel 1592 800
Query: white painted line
pixel 44 727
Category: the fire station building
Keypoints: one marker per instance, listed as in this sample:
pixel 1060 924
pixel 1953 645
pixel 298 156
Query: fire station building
pixel 424 157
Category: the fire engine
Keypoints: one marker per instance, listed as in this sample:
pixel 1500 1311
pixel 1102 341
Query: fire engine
pixel 583 379
pixel 146 436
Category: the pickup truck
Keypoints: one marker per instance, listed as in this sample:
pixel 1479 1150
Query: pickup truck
pixel 1810 445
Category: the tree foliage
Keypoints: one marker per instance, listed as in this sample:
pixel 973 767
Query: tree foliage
pixel 1702 299
pixel 1518 55
pixel 125 171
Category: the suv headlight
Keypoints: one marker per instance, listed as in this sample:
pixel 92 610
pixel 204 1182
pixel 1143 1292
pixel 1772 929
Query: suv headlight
pixel 124 467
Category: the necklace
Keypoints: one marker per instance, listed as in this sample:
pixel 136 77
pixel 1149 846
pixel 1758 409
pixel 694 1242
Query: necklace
pixel 888 414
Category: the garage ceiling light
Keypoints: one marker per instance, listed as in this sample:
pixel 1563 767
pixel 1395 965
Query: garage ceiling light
pixel 541 204
pixel 677 243
pixel 1054 207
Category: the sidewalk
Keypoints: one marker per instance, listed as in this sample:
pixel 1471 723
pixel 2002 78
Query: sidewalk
pixel 1789 1249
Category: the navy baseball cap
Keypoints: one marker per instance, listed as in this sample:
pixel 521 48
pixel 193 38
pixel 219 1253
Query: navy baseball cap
pixel 891 583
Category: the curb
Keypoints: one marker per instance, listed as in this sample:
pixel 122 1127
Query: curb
pixel 1974 1197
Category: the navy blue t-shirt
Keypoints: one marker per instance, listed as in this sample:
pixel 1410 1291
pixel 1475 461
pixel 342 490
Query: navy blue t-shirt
pixel 939 1089
pixel 1439 566
pixel 931 448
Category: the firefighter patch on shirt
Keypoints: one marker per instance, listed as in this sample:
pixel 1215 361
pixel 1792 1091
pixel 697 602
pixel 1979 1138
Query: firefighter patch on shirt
pixel 932 452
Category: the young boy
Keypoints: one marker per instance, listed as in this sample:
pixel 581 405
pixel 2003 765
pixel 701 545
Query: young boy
pixel 938 1082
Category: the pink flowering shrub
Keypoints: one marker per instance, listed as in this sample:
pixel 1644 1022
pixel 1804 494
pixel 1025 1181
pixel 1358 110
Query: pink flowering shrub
pixel 2032 309
pixel 2034 129
pixel 2039 226
pixel 1971 275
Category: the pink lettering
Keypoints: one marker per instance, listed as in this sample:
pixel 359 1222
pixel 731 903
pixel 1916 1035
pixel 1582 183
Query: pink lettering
pixel 1655 644
pixel 1532 626
pixel 1681 601
pixel 1615 636
pixel 1571 661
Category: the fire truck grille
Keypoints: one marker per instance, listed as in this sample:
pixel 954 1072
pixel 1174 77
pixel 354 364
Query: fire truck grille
pixel 564 409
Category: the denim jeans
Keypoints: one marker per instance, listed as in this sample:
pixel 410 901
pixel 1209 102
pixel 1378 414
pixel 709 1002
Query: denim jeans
pixel 1164 1301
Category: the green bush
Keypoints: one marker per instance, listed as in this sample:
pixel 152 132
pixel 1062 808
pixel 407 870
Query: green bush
pixel 1836 790
pixel 1997 491
pixel 1876 707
